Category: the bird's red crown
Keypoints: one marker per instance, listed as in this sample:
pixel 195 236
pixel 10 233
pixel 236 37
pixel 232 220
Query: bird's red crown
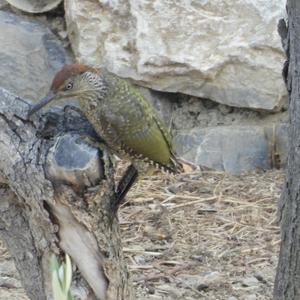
pixel 68 71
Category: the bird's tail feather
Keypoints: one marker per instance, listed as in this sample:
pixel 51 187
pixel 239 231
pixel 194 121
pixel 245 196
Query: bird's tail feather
pixel 126 182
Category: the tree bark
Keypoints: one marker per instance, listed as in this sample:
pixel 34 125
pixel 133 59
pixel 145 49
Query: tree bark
pixel 287 282
pixel 57 195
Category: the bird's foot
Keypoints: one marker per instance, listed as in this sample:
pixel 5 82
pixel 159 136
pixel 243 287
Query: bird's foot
pixel 70 108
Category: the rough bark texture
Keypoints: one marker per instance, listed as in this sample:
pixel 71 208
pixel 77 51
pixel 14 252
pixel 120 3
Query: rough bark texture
pixel 287 282
pixel 57 195
pixel 15 231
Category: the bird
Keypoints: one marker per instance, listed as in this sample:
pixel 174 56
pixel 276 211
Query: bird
pixel 119 113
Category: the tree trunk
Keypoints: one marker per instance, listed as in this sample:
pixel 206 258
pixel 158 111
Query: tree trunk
pixel 57 195
pixel 287 282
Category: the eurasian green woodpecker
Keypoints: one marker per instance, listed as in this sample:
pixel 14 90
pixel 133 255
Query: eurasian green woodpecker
pixel 119 113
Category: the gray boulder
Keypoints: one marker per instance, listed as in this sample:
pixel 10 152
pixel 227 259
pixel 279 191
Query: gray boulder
pixel 234 149
pixel 30 54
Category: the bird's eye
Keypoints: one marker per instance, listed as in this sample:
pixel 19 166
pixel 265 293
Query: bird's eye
pixel 69 85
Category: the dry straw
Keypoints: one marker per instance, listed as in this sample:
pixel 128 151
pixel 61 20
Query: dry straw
pixel 177 231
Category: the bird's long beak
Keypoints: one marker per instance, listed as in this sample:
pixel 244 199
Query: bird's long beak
pixel 41 103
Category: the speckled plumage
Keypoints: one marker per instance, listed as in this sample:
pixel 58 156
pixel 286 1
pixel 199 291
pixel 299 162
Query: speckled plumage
pixel 121 116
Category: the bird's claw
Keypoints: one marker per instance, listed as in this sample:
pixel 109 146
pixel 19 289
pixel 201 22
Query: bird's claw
pixel 69 108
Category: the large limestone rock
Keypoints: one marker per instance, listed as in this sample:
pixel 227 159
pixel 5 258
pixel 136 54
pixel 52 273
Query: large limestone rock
pixel 226 138
pixel 225 50
pixel 30 55
pixel 235 149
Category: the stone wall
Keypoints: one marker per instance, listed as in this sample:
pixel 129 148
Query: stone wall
pixel 224 50
pixel 213 67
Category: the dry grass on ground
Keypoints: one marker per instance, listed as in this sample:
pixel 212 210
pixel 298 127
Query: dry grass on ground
pixel 209 236
pixel 197 236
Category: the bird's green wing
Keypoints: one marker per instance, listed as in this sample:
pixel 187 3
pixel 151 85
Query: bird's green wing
pixel 137 124
pixel 149 141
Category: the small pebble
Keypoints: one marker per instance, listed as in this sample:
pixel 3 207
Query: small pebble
pixel 260 277
pixel 202 287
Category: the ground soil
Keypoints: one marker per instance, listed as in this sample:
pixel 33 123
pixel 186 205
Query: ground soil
pixel 205 235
